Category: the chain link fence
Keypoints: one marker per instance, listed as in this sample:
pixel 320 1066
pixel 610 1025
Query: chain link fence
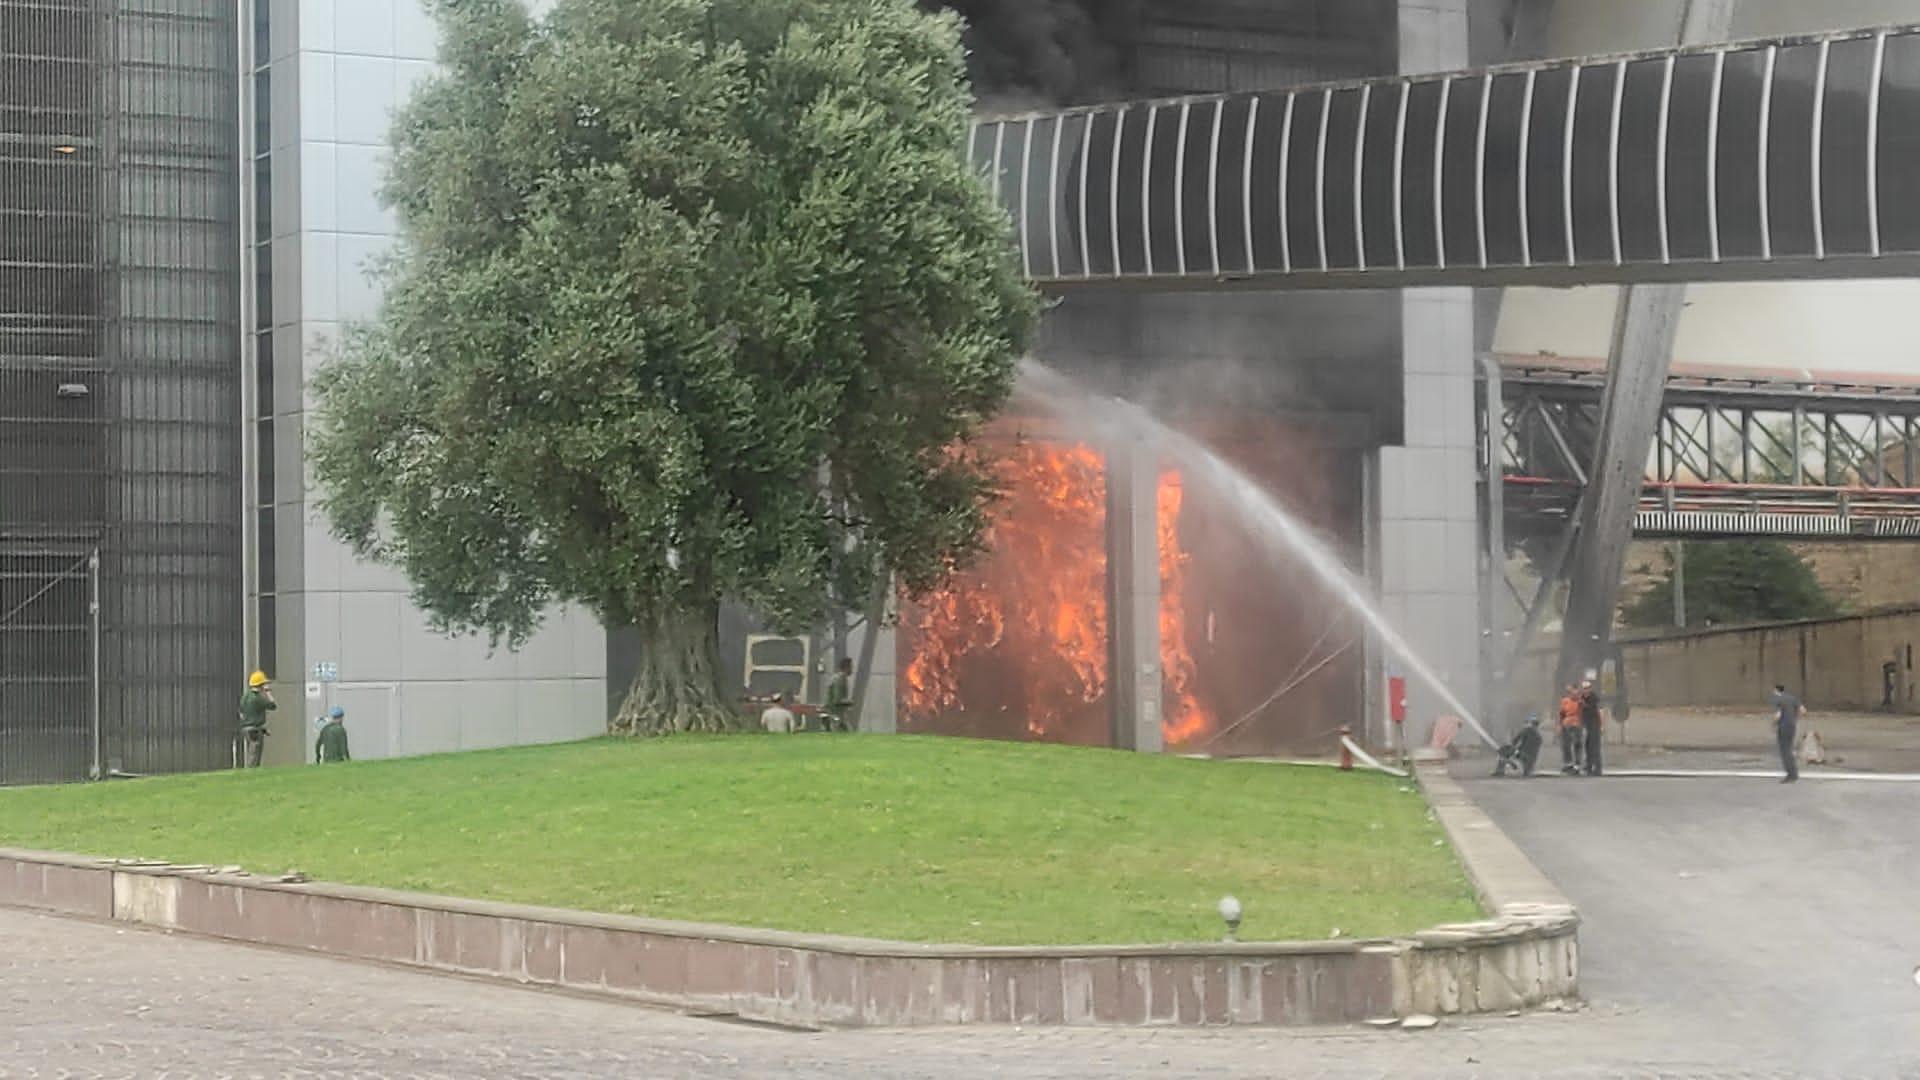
pixel 49 665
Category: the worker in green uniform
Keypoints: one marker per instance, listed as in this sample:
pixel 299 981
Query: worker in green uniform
pixel 331 746
pixel 836 714
pixel 255 704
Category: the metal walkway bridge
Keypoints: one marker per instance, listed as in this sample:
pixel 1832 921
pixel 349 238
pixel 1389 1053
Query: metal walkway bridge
pixel 1798 157
pixel 1733 454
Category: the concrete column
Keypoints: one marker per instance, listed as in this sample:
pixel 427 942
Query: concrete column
pixel 880 706
pixel 1133 584
pixel 1377 726
pixel 1427 492
pixel 1429 521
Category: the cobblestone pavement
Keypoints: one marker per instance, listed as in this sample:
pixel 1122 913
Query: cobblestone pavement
pixel 1735 930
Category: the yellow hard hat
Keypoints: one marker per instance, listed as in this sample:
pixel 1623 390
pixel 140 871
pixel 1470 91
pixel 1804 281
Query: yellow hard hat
pixel 258 678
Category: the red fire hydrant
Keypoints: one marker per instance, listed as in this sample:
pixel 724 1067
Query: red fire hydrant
pixel 1346 749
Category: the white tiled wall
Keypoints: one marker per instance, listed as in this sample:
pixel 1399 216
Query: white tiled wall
pixel 339 69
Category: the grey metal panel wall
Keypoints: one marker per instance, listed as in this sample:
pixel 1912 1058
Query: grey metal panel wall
pixel 119 274
pixel 172 574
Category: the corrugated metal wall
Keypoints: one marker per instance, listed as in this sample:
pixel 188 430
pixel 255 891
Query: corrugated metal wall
pixel 119 381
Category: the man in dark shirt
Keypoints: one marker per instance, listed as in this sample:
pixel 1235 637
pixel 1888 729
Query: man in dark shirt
pixel 1590 725
pixel 1786 724
pixel 331 746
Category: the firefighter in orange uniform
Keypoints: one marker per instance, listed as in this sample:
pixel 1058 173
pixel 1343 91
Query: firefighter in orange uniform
pixel 1572 738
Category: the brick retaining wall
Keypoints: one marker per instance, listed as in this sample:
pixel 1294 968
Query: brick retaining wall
pixel 818 980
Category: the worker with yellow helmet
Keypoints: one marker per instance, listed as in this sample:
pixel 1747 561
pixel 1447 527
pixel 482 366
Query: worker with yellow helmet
pixel 255 704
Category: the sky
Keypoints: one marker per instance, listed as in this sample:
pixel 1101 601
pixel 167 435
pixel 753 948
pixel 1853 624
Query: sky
pixel 1828 328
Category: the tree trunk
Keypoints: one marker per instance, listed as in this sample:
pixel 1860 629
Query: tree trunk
pixel 677 686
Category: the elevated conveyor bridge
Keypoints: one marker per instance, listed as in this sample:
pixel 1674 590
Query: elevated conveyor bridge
pixel 1791 158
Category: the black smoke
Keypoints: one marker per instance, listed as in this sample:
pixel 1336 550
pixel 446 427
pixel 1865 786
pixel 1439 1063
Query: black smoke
pixel 1048 51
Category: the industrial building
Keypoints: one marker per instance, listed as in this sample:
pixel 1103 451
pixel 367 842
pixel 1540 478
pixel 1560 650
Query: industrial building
pixel 188 210
pixel 120 372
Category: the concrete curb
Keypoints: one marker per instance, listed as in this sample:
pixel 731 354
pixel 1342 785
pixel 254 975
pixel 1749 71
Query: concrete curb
pixel 821 980
pixel 1510 887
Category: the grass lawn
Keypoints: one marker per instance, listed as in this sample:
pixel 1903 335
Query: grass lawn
pixel 920 839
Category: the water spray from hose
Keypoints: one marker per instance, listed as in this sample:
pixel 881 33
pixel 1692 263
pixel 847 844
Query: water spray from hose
pixel 1269 519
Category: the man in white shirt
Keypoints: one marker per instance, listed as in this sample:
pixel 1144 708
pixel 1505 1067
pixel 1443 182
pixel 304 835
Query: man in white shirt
pixel 777 718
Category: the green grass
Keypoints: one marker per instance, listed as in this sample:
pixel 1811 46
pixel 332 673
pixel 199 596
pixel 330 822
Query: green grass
pixel 920 839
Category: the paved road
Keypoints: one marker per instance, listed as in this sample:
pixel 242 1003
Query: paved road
pixel 1785 918
pixel 1786 950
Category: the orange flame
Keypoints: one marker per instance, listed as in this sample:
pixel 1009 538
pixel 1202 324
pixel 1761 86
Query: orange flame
pixel 1185 717
pixel 1039 599
pixel 1038 603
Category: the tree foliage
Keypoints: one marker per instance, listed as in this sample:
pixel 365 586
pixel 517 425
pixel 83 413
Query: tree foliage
pixel 1731 582
pixel 692 300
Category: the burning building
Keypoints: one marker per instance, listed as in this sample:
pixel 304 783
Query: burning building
pixel 1095 554
pixel 1021 646
pixel 1120 604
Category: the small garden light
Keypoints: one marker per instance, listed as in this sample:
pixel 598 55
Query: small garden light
pixel 1230 914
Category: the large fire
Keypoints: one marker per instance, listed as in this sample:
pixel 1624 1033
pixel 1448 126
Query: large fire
pixel 1185 718
pixel 1038 603
pixel 1027 631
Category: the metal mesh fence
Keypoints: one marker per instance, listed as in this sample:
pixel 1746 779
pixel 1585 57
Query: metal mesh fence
pixel 46 664
pixel 119 382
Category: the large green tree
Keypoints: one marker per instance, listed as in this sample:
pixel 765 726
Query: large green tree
pixel 693 300
pixel 1729 582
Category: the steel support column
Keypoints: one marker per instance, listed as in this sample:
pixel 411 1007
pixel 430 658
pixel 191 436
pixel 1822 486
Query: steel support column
pixel 1645 326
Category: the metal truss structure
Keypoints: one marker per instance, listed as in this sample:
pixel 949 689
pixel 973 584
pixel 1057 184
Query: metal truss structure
pixel 1786 158
pixel 1732 456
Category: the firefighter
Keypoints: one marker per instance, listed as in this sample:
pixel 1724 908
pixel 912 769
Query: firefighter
pixel 838 712
pixel 1522 751
pixel 1590 725
pixel 255 704
pixel 331 746
pixel 1572 743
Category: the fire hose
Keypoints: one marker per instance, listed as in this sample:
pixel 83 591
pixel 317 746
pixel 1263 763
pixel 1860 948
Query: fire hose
pixel 1367 759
